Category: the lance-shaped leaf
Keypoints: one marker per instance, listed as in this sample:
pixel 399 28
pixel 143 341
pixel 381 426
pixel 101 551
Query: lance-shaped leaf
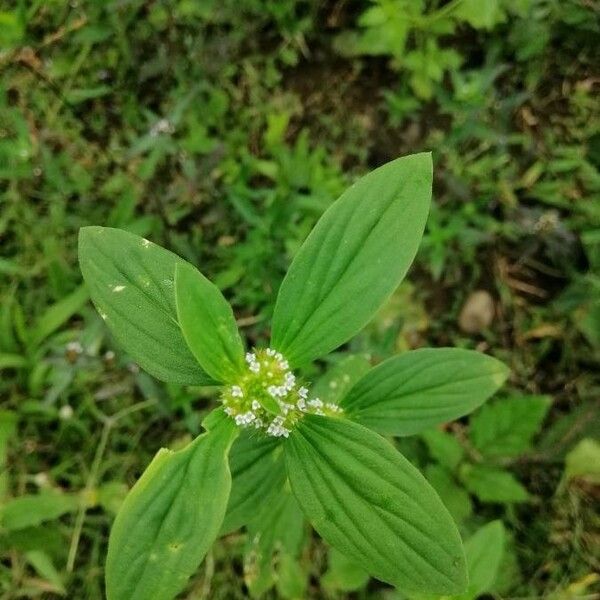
pixel 369 502
pixel 353 259
pixel 417 390
pixel 484 551
pixel 208 324
pixel 258 473
pixel 170 518
pixel 131 284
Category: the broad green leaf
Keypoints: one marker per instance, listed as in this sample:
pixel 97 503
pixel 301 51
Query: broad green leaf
pixel 170 518
pixel 58 314
pixel 353 259
pixel 343 574
pixel 131 282
pixel 443 447
pixel 337 380
pixel 278 527
pixel 33 509
pixel 492 485
pixel 455 498
pixel 506 427
pixel 419 389
pixel 484 550
pixel 365 499
pixel 257 472
pixel 208 324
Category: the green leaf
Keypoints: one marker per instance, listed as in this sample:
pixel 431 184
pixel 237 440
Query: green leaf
pixel 33 509
pixel 583 462
pixel 257 471
pixel 353 259
pixel 12 361
pixel 481 14
pixel 170 518
pixel 44 566
pixel 208 324
pixel 365 499
pixel 419 389
pixel 291 578
pixel 131 283
pixel 343 574
pixel 506 427
pixel 111 496
pixel 58 314
pixel 484 550
pixel 455 498
pixel 443 447
pixel 492 485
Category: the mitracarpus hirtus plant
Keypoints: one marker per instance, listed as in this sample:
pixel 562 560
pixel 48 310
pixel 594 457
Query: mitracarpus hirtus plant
pixel 359 493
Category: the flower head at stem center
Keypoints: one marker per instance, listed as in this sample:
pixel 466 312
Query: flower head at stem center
pixel 268 396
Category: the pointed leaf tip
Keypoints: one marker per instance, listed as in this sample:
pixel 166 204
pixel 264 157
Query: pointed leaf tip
pixel 365 499
pixel 208 324
pixel 416 390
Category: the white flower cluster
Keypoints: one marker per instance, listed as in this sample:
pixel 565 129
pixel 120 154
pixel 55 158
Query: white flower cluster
pixel 268 397
pixel 276 428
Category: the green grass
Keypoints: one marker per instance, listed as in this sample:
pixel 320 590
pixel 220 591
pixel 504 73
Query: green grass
pixel 222 131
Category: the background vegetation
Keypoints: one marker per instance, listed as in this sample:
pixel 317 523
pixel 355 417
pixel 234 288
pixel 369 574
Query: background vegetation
pixel 222 130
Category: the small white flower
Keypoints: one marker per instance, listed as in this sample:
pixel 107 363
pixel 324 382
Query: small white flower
pixel 74 347
pixel 41 479
pixel 65 412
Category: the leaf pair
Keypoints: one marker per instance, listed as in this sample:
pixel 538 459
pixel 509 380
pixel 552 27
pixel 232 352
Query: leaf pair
pixel 177 325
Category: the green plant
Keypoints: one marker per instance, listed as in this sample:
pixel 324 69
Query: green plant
pixel 359 493
pixel 477 464
pixel 412 33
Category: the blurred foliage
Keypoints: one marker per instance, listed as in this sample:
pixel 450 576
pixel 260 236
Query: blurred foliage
pixel 222 130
